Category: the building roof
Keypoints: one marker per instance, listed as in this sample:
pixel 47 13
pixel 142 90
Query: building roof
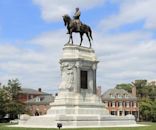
pixel 111 94
pixel 41 100
pixel 30 91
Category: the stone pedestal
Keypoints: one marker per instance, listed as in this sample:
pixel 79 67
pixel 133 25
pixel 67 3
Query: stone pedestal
pixel 77 104
pixel 78 67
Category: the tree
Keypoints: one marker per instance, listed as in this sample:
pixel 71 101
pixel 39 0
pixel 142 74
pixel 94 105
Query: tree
pixel 141 87
pixel 13 87
pixel 12 106
pixel 152 91
pixel 4 99
pixel 127 87
pixel 145 107
pixel 153 112
pixel 146 93
pixel 15 108
pixel 2 103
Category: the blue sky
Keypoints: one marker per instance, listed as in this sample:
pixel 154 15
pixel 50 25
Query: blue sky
pixel 32 35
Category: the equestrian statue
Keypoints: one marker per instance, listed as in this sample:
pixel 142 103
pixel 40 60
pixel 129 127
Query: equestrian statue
pixel 75 25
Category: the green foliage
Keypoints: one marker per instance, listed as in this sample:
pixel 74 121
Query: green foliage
pixel 146 94
pixel 145 109
pixel 152 91
pixel 127 87
pixel 153 112
pixel 141 87
pixel 15 107
pixel 9 103
pixel 147 98
pixel 13 87
pixel 2 103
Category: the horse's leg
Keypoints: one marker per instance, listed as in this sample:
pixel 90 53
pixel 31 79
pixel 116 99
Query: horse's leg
pixel 89 39
pixel 81 36
pixel 71 37
pixel 69 40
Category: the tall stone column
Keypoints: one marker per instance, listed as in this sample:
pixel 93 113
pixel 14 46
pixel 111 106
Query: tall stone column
pixel 94 81
pixel 78 80
pixel 94 67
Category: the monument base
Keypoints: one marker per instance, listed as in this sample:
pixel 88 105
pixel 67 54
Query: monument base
pixel 77 104
pixel 76 111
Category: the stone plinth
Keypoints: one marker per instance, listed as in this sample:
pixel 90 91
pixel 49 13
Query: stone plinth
pixel 77 104
pixel 74 62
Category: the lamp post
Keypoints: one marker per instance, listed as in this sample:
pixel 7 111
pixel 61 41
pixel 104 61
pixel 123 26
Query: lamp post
pixel 59 125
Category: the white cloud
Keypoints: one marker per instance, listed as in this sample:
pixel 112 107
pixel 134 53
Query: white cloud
pixel 123 58
pixel 133 11
pixel 52 10
pixel 34 67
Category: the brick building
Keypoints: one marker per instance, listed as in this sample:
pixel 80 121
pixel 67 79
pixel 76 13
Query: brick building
pixel 40 104
pixel 119 102
pixel 26 94
pixel 37 102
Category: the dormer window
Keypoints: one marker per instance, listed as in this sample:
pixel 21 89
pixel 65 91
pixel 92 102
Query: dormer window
pixel 118 95
pixel 38 99
pixel 111 95
pixel 125 96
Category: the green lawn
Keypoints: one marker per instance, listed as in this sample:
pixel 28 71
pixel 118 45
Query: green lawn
pixel 151 127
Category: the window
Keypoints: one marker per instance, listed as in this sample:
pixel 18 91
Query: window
pixel 125 96
pixel 127 104
pixel 31 96
pixel 113 104
pixel 126 112
pixel 134 103
pixel 123 104
pixel 112 96
pixel 113 113
pixel 38 99
pixel 119 96
pixel 120 104
pixel 84 80
pixel 120 113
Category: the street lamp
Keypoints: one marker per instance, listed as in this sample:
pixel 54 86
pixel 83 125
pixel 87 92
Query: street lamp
pixel 59 125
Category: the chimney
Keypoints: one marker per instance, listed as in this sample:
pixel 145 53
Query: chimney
pixel 98 91
pixel 56 94
pixel 39 89
pixel 133 90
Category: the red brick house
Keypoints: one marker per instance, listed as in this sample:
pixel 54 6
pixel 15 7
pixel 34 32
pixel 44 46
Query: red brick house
pixel 26 94
pixel 40 104
pixel 119 102
pixel 37 102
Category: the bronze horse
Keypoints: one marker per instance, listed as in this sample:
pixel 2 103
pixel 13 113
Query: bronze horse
pixel 72 27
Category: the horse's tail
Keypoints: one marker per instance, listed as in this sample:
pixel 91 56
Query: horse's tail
pixel 90 33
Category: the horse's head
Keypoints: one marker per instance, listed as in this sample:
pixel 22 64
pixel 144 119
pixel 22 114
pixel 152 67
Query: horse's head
pixel 66 19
